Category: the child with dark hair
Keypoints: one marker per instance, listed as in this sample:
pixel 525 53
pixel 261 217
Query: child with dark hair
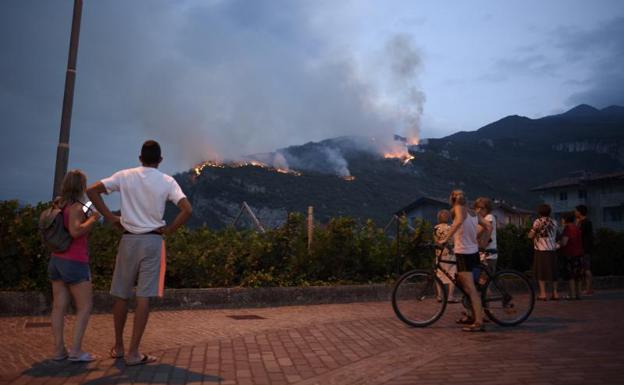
pixel 572 252
pixel 587 235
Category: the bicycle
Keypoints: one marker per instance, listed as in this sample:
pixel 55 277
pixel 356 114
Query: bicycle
pixel 507 296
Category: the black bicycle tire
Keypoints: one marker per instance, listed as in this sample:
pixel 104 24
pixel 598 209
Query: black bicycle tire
pixel 443 302
pixel 531 293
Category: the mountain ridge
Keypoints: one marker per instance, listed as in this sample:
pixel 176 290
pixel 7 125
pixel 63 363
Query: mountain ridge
pixel 503 160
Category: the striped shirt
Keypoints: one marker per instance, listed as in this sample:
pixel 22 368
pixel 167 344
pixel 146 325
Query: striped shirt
pixel 545 230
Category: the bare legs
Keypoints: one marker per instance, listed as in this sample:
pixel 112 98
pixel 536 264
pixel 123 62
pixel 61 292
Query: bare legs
pixel 575 289
pixel 60 300
pixel 451 292
pixel 588 282
pixel 466 279
pixel 82 294
pixel 83 297
pixel 542 290
pixel 120 315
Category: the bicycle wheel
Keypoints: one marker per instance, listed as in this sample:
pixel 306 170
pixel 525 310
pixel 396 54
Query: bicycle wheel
pixel 414 298
pixel 508 298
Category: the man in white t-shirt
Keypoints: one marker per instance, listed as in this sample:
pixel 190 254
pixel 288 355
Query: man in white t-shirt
pixel 141 256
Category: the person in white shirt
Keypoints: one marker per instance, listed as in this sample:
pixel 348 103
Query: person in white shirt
pixel 483 207
pixel 144 192
pixel 465 245
pixel 544 234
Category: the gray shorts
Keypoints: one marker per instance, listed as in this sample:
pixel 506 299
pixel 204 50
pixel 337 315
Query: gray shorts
pixel 140 260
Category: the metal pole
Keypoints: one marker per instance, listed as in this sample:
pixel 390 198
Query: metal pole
pixel 310 226
pixel 62 151
pixel 398 244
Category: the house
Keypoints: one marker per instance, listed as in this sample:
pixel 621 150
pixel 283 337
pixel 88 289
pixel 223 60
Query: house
pixel 507 214
pixel 423 208
pixel 426 208
pixel 602 194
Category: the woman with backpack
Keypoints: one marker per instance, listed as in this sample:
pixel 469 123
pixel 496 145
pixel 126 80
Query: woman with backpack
pixel 69 269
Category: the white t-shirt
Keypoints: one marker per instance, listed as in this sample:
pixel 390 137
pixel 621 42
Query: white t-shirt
pixel 144 192
pixel 492 245
pixel 465 238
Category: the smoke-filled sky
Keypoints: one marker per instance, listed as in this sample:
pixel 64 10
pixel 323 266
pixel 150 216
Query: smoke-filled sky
pixel 232 77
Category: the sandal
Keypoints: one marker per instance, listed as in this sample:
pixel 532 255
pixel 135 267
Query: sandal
pixel 145 359
pixel 82 357
pixel 475 327
pixel 542 299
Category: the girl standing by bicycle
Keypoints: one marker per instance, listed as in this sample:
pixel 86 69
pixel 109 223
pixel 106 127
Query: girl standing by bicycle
pixel 440 232
pixel 466 247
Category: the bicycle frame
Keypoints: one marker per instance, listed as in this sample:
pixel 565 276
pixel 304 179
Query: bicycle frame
pixel 482 268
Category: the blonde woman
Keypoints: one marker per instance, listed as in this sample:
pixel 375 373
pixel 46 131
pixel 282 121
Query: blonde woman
pixel 69 270
pixel 466 247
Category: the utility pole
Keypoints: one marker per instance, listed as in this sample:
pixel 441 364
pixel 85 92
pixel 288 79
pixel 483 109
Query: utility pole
pixel 62 150
pixel 310 227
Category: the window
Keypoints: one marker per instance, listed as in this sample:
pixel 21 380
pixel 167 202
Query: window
pixel 563 196
pixel 613 214
pixel 582 194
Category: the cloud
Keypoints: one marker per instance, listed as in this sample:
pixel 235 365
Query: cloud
pixel 218 78
pixel 527 64
pixel 602 50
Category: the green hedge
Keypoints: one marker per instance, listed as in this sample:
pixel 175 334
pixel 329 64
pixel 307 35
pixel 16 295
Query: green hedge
pixel 344 251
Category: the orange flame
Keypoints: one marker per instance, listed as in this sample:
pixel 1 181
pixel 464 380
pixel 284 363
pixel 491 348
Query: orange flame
pixel 404 156
pixel 253 163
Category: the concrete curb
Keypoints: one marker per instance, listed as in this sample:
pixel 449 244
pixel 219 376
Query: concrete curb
pixel 38 303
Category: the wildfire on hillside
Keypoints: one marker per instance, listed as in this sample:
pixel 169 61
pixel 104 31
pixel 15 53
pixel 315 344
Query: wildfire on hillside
pixel 251 163
pixel 399 149
pixel 404 157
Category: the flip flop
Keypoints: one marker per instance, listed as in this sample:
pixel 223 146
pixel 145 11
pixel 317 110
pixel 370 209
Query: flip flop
pixel 145 359
pixel 82 357
pixel 114 355
pixel 474 328
pixel 542 299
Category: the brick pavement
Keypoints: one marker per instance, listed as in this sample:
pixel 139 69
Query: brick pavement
pixel 579 342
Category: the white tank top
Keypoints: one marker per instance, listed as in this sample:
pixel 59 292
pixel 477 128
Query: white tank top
pixel 465 237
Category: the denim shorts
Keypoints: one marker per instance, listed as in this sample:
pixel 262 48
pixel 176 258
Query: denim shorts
pixel 68 271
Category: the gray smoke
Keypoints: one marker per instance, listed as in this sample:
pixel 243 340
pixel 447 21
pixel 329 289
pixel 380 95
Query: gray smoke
pixel 223 79
pixel 405 64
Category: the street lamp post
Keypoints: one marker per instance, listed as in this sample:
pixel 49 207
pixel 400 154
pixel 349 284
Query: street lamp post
pixel 62 150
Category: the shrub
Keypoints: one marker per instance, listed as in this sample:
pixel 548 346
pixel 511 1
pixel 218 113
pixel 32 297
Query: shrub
pixel 343 251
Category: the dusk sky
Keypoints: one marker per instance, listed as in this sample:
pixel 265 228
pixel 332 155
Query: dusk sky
pixel 227 78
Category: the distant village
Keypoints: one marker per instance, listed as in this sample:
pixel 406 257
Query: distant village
pixel 603 194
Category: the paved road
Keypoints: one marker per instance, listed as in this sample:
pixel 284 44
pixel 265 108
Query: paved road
pixel 577 342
